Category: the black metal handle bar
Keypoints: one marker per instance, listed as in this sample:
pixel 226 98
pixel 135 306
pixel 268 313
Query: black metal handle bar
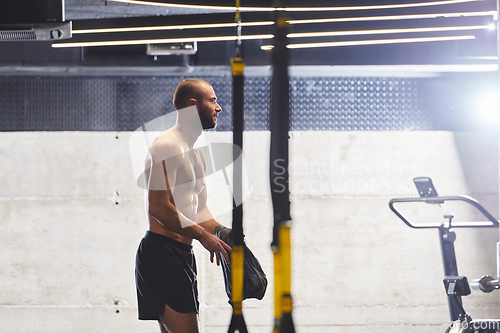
pixel 438 200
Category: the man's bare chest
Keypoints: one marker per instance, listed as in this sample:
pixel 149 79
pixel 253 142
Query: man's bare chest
pixel 190 177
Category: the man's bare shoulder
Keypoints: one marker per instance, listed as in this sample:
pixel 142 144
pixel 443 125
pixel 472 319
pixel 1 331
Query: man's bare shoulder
pixel 167 147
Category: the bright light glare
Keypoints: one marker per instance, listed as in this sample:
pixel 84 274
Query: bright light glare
pixel 488 107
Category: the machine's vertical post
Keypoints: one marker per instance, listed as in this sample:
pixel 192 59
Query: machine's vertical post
pixel 447 238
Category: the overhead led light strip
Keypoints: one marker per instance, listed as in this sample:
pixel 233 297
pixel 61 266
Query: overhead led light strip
pixel 263 23
pixel 393 6
pixel 393 17
pixel 385 31
pixel 371 42
pixel 269 36
pixel 302 9
pixel 150 3
pixel 160 41
pixel 171 27
pixel 380 41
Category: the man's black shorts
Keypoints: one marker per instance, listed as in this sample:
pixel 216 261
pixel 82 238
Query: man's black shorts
pixel 165 273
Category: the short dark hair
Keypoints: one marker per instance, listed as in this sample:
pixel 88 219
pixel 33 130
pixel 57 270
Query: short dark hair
pixel 186 90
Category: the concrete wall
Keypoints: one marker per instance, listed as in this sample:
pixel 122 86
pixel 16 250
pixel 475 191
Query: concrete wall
pixel 72 217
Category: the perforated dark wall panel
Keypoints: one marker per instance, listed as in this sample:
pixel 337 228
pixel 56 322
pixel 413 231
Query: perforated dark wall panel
pixel 346 104
pixel 86 103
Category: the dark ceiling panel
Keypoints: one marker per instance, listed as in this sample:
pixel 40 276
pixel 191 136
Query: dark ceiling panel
pixel 218 53
pixel 167 20
pixel 368 24
pixel 94 9
pixel 31 11
pixel 99 9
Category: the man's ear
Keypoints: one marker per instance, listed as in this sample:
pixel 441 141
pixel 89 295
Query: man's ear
pixel 191 102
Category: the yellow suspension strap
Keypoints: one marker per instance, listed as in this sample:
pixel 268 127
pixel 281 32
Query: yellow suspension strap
pixel 286 258
pixel 237 256
pixel 278 291
pixel 283 304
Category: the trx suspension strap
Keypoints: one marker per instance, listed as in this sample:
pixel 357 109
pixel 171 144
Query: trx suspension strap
pixel 237 256
pixel 279 178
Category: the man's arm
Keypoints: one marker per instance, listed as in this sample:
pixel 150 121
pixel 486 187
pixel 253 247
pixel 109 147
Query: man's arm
pixel 204 216
pixel 205 219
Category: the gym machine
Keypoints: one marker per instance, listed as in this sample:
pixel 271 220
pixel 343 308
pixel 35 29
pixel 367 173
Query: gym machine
pixel 455 285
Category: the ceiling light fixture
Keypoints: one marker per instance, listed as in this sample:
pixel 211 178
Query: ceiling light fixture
pixel 371 42
pixel 393 17
pixel 174 5
pixel 392 6
pixel 264 23
pixel 385 31
pixel 159 41
pixel 171 27
pixel 301 9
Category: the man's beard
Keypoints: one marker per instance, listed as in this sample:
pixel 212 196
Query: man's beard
pixel 207 121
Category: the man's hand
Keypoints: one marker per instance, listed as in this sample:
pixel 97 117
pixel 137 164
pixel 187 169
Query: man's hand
pixel 215 246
